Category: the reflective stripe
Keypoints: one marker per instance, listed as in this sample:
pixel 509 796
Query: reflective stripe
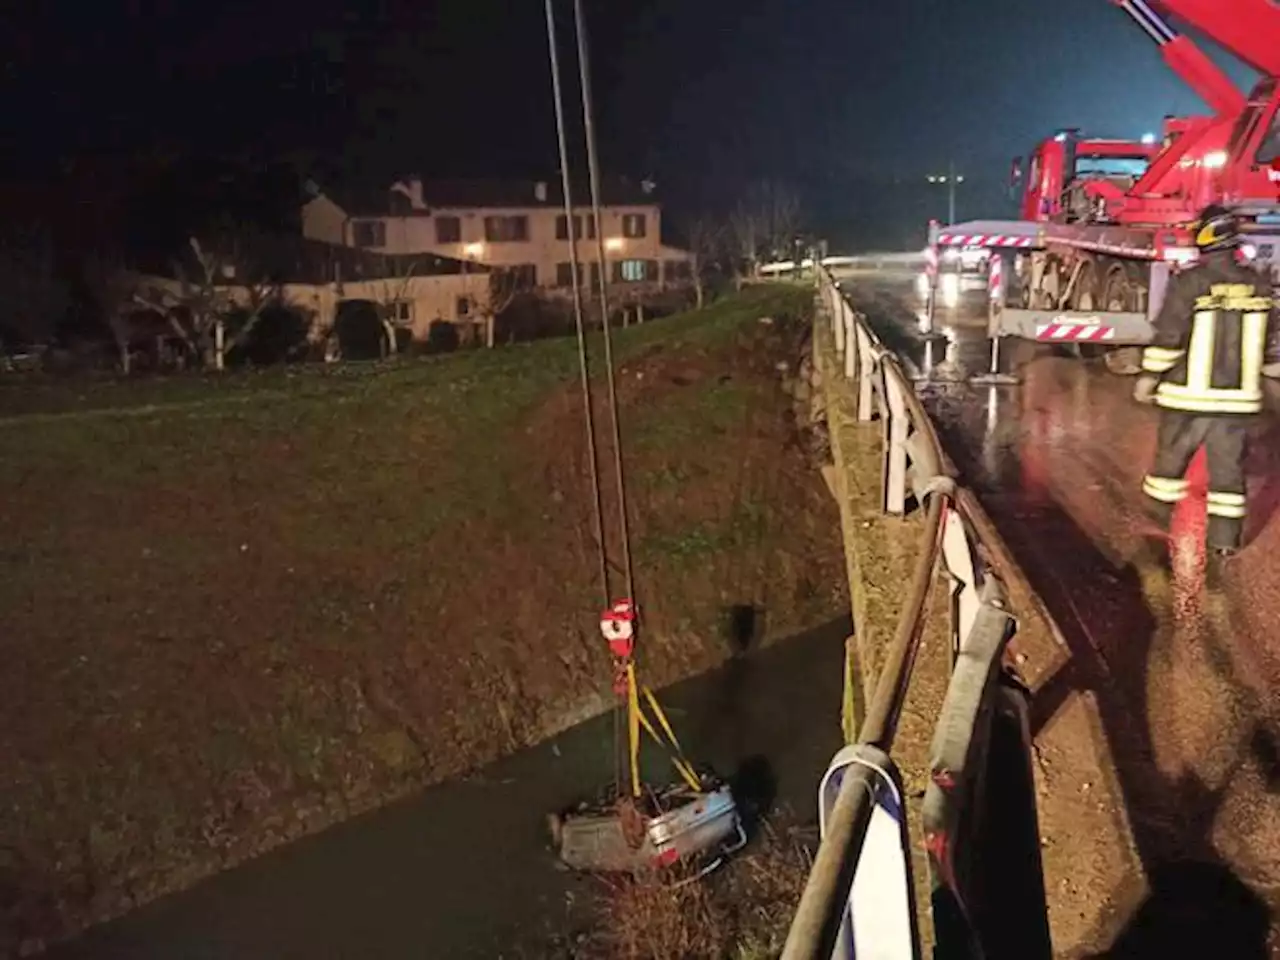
pixel 1226 498
pixel 1200 352
pixel 1175 396
pixel 1164 489
pixel 1231 505
pixel 1229 513
pixel 1253 341
pixel 1160 359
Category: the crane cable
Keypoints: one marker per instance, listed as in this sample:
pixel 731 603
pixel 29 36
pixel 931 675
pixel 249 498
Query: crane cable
pixel 624 528
pixel 620 740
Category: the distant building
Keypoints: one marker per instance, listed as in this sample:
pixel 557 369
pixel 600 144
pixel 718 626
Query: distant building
pixel 410 292
pixel 518 228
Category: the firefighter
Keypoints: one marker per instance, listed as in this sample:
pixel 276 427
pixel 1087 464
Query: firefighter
pixel 1203 370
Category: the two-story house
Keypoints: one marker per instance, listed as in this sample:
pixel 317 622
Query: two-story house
pixel 517 228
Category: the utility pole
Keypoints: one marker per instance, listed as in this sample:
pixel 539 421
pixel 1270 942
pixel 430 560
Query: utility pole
pixel 951 179
pixel 951 198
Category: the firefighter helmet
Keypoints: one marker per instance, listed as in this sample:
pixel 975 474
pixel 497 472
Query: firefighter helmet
pixel 1217 229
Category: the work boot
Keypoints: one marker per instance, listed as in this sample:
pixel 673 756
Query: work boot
pixel 1218 563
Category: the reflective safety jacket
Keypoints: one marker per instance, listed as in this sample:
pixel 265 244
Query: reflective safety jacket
pixel 1211 339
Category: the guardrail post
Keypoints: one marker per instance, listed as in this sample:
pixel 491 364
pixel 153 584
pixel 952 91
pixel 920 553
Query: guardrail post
pixel 962 566
pixel 838 323
pixel 852 342
pixel 960 741
pixel 868 371
pixel 896 430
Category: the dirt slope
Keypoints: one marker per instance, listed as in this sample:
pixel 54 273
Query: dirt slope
pixel 233 611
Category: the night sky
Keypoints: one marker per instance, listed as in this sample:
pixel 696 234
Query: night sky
pixel 701 94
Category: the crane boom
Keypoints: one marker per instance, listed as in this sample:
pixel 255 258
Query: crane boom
pixel 1248 29
pixel 1186 59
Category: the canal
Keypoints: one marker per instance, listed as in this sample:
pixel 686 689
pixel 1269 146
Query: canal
pixel 464 868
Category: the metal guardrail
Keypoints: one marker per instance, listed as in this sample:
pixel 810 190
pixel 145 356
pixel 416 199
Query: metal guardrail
pixel 863 781
pixel 860 261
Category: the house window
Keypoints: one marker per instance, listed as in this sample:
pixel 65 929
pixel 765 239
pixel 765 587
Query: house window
pixel 400 312
pixel 633 225
pixel 564 274
pixel 448 230
pixel 369 233
pixel 562 227
pixel 462 307
pixel 637 271
pixel 506 229
pixel 595 275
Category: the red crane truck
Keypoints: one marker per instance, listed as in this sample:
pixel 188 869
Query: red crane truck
pixel 1071 179
pixel 1096 278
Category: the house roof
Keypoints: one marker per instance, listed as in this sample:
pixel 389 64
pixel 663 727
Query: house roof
pixel 480 194
pixel 614 191
pixel 354 199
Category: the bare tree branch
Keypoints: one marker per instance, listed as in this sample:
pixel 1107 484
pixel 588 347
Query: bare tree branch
pixel 113 288
pixel 215 287
pixel 764 221
pixel 706 240
pixel 394 285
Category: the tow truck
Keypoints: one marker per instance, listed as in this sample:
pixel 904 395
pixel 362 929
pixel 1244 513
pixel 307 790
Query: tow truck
pixel 1096 278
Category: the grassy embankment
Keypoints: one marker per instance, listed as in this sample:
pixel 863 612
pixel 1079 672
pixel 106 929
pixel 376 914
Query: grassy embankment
pixel 237 609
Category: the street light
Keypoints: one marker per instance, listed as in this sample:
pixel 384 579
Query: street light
pixel 951 179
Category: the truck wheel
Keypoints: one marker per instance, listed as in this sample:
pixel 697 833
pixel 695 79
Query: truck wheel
pixel 1084 300
pixel 1120 294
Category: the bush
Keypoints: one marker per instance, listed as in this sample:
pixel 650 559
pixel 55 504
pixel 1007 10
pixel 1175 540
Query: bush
pixel 279 336
pixel 442 337
pixel 532 317
pixel 741 912
pixel 359 329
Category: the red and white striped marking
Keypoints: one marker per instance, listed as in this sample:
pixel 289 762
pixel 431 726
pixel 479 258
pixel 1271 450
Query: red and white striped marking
pixel 995 279
pixel 984 240
pixel 1074 332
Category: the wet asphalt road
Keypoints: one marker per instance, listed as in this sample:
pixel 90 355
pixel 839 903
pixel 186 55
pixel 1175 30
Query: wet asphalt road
pixel 463 869
pixel 1188 683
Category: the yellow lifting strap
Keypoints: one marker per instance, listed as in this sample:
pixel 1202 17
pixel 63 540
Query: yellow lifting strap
pixel 633 728
pixel 672 745
pixel 637 719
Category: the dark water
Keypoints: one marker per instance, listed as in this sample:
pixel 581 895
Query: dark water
pixel 463 870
